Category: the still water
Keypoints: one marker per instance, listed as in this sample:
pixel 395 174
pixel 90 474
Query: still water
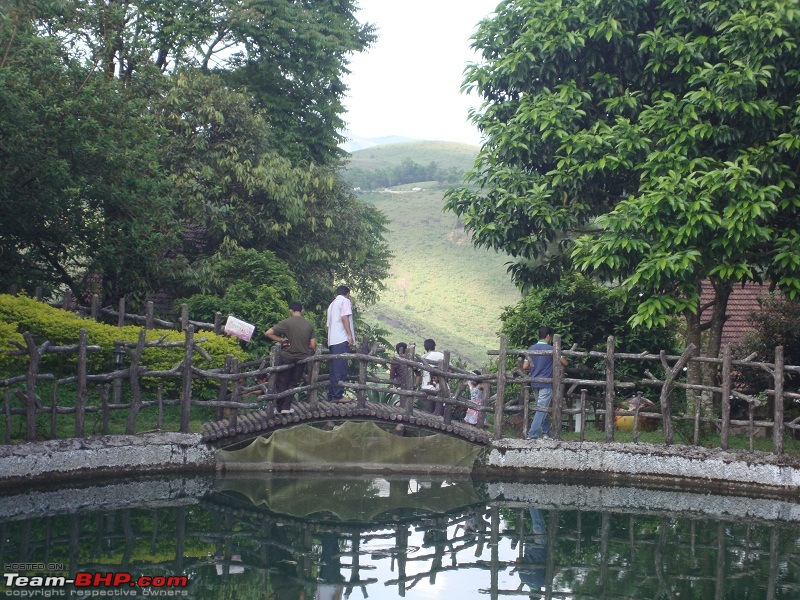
pixel 317 537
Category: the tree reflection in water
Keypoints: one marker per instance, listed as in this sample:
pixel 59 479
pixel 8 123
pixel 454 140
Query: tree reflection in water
pixel 341 537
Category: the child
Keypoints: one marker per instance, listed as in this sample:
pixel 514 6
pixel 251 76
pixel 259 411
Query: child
pixel 476 391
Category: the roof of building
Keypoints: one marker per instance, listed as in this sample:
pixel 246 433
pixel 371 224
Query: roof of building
pixel 742 302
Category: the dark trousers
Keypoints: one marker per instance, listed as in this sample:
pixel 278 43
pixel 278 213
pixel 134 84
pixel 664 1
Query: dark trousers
pixel 285 380
pixel 337 370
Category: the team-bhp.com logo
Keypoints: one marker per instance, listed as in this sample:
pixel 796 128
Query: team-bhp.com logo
pixel 94 584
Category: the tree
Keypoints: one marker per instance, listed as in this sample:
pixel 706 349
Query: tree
pixel 146 136
pixel 583 313
pixel 651 143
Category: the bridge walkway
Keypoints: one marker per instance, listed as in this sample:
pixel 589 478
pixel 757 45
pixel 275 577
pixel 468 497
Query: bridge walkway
pixel 266 420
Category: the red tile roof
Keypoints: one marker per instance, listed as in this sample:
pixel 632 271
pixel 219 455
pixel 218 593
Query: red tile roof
pixel 742 302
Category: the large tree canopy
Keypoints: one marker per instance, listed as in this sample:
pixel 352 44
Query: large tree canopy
pixel 652 143
pixel 141 138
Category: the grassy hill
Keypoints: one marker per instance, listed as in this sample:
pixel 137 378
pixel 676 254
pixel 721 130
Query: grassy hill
pixel 440 286
pixel 446 154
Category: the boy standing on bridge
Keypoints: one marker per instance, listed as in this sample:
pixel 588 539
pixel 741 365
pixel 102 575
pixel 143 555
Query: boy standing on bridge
pixel 296 337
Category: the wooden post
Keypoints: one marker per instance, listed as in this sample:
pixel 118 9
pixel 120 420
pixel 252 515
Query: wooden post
pixel 160 401
pixel 222 393
pixel 95 307
pixel 34 357
pixel 524 398
pixel 444 389
pixel 103 391
pixel 186 388
pixel 274 360
pixel 53 410
pixel 583 414
pixel 121 314
pixel 233 415
pixel 184 316
pixel 148 318
pixel 80 400
pixel 501 387
pixel 313 393
pixel 609 415
pixel 361 393
pixel 727 385
pixel 133 381
pixel 777 428
pixel 670 374
pixel 38 293
pixel 67 302
pixel 409 400
pixel 7 412
pixel 558 387
pixel 218 323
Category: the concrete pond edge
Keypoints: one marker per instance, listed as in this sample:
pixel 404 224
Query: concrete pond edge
pixel 678 467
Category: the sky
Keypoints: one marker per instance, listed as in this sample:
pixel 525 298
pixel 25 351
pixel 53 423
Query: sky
pixel 408 82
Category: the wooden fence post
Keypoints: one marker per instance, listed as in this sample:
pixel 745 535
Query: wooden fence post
pixel 558 387
pixel 501 387
pixel 314 379
pixel 148 315
pixel 409 381
pixel 233 415
pixel 186 388
pixel 133 381
pixel 80 400
pixel 67 302
pixel 727 385
pixel 444 390
pixel 222 394
pixel 361 393
pixel 670 374
pixel 609 415
pixel 777 428
pixel 184 316
pixel 7 413
pixel 95 310
pixel 38 293
pixel 218 323
pixel 121 313
pixel 34 357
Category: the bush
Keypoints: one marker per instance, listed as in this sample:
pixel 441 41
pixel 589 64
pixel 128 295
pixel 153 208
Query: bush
pixel 250 285
pixel 583 313
pixel 19 314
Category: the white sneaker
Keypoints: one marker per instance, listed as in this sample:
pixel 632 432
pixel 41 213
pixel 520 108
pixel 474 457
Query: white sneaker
pixel 287 411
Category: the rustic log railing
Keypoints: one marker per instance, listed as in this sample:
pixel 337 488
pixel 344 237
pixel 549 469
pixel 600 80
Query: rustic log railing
pixel 238 388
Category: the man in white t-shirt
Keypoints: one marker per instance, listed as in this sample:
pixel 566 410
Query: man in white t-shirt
pixel 431 384
pixel 341 335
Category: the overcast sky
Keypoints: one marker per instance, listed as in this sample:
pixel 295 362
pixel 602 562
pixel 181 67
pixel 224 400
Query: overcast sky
pixel 408 82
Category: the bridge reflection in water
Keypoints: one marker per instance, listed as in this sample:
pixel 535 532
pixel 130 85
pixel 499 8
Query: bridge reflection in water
pixel 328 537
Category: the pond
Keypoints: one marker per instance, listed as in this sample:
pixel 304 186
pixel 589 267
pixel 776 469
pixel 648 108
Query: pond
pixel 336 536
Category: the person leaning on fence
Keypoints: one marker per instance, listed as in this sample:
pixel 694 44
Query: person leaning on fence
pixel 296 336
pixel 430 383
pixel 541 367
pixel 341 335
pixel 397 371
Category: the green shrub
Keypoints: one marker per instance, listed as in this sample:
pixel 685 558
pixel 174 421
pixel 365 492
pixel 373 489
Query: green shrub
pixel 19 314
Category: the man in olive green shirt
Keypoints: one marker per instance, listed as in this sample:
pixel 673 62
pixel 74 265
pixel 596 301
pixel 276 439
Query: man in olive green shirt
pixel 296 337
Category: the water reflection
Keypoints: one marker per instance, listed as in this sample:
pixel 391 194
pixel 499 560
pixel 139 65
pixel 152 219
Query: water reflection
pixel 366 537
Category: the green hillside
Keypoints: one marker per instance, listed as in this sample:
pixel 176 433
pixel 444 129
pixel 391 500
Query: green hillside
pixel 440 286
pixel 446 154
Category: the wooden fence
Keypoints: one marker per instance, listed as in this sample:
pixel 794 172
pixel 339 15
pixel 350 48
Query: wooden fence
pixel 249 385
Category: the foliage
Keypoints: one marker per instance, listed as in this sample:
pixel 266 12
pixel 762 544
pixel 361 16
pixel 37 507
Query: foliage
pixel 406 172
pixel 253 286
pixel 62 328
pixel 653 143
pixel 776 323
pixel 582 313
pixel 141 138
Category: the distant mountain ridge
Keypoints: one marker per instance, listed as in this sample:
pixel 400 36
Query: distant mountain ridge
pixel 355 143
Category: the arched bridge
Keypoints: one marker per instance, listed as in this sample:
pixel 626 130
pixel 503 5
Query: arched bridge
pixel 265 421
